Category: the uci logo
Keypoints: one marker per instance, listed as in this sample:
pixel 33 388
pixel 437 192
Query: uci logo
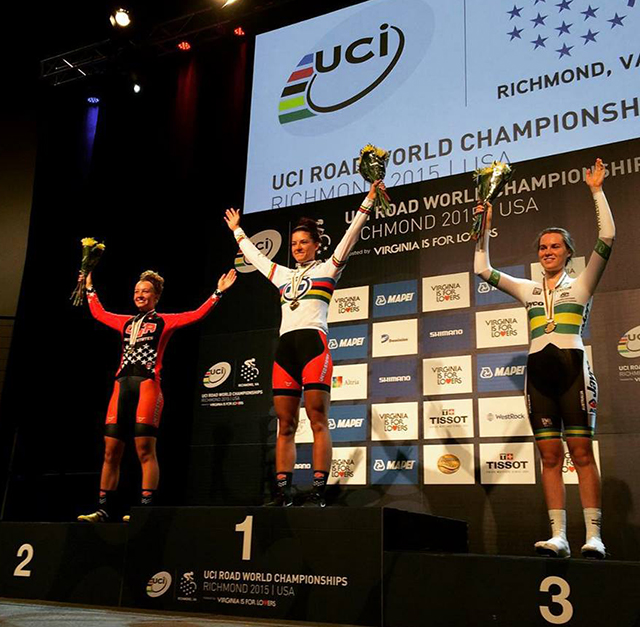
pixel 158 584
pixel 217 374
pixel 303 288
pixel 362 61
pixel 267 242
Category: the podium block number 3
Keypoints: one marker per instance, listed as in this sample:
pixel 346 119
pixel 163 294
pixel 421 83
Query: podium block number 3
pixel 562 599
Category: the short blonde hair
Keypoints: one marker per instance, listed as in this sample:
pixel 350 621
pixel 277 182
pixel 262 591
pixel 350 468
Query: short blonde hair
pixel 155 279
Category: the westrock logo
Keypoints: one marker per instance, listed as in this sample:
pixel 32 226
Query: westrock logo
pixel 446 292
pixel 217 374
pixel 491 417
pixel 348 304
pixel 343 468
pixel 313 77
pixel 267 242
pixel 395 421
pixel 448 375
pixel 629 344
pixel 502 327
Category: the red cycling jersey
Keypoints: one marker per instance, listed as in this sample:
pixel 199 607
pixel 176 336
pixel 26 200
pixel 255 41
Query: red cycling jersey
pixel 142 355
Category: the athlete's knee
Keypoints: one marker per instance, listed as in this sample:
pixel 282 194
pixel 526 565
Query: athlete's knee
pixel 113 455
pixel 582 456
pixel 318 420
pixel 551 460
pixel 287 426
pixel 145 451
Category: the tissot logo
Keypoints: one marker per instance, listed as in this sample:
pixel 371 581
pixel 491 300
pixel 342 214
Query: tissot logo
pixel 267 242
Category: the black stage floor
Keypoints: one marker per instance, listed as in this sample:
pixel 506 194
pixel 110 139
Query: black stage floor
pixel 19 613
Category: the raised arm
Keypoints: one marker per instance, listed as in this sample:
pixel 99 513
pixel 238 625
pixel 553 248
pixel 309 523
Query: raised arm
pixel 350 238
pixel 482 263
pixel 176 321
pixel 606 228
pixel 114 321
pixel 267 267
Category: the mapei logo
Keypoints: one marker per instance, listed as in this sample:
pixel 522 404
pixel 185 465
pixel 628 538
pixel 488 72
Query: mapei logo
pixel 629 344
pixel 217 374
pixel 361 61
pixel 267 242
pixel 346 342
pixel 501 371
pixel 158 584
pixel 394 464
pixel 394 298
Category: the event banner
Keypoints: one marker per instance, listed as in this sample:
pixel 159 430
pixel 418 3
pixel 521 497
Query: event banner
pixel 427 397
pixel 445 86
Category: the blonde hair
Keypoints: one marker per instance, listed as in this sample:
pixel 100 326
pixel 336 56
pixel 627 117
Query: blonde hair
pixel 155 279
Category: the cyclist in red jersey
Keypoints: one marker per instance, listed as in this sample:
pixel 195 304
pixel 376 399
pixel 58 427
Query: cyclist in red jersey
pixel 136 402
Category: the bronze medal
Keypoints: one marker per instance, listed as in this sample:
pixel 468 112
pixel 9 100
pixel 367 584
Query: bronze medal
pixel 551 327
pixel 294 305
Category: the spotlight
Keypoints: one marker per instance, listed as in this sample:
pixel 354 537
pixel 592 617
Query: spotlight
pixel 120 18
pixel 184 46
pixel 239 32
pixel 94 100
pixel 227 3
pixel 137 88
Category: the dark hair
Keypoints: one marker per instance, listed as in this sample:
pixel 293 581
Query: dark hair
pixel 310 226
pixel 566 238
pixel 155 279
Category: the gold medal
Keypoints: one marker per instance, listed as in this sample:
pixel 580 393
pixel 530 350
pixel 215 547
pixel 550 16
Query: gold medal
pixel 551 327
pixel 294 305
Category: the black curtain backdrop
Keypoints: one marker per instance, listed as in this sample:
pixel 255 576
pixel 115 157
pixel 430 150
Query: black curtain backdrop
pixel 165 164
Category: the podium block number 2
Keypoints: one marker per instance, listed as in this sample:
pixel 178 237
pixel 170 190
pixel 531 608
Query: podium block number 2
pixel 20 570
pixel 246 528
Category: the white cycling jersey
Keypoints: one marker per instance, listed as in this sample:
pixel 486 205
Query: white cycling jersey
pixel 570 300
pixel 310 285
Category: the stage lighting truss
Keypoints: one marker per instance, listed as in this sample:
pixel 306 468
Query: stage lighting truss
pixel 76 64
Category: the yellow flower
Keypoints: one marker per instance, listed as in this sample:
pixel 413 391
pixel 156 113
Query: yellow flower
pixel 100 246
pixel 381 153
pixel 88 241
pixel 368 148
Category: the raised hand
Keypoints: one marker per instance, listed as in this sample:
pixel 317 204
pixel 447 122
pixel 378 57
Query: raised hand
pixel 374 186
pixel 595 176
pixel 232 218
pixel 227 280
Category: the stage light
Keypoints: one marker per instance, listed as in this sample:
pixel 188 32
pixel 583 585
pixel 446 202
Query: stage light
pixel 120 18
pixel 228 2
pixel 239 32
pixel 184 46
pixel 137 88
pixel 94 100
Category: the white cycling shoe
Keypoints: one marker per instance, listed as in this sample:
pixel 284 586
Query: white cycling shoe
pixel 594 549
pixel 553 547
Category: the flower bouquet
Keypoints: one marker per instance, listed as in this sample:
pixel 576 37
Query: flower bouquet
pixel 490 181
pixel 372 165
pixel 91 252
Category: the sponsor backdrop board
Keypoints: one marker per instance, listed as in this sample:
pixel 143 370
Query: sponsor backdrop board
pixel 445 86
pixel 430 363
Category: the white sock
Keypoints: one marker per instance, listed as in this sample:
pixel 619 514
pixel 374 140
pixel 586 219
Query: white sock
pixel 592 521
pixel 558 521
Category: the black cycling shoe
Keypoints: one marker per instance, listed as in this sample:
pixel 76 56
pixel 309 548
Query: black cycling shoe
pixel 315 499
pixel 281 500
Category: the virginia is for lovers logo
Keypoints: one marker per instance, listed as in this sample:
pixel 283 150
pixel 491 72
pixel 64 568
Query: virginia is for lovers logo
pixel 371 52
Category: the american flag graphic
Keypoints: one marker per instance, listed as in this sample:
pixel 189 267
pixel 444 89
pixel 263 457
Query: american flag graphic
pixel 562 28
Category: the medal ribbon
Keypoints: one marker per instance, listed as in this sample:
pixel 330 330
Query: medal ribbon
pixel 296 280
